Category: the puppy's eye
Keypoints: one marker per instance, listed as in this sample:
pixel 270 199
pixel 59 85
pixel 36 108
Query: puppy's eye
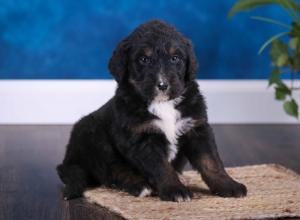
pixel 175 59
pixel 144 60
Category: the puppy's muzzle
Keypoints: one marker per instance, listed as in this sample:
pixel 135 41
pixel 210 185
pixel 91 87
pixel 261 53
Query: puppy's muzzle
pixel 162 86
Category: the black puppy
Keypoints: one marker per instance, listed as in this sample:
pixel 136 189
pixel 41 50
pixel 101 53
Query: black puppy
pixel 141 139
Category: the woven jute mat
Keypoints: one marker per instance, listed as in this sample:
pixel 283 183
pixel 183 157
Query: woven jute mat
pixel 273 192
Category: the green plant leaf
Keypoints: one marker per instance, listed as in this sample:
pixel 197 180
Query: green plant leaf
pixel 243 5
pixel 291 108
pixel 295 32
pixel 294 43
pixel 279 53
pixel 280 94
pixel 275 77
pixel 282 60
pixel 271 21
pixel 281 91
pixel 268 42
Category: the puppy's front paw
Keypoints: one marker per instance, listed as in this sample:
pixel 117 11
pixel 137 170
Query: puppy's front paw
pixel 230 189
pixel 145 192
pixel 177 193
pixel 139 190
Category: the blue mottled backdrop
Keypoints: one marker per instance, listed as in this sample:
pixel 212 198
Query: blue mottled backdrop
pixel 73 39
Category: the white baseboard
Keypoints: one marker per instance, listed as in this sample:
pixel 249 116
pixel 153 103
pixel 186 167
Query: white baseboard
pixel 65 101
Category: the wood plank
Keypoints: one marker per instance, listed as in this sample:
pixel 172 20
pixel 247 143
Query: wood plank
pixel 30 188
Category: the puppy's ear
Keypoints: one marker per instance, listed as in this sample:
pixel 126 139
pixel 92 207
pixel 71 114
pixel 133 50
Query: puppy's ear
pixel 192 64
pixel 119 61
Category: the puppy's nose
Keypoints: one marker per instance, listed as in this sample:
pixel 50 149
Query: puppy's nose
pixel 162 86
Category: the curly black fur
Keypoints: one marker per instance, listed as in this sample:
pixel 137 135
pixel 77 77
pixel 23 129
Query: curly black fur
pixel 123 143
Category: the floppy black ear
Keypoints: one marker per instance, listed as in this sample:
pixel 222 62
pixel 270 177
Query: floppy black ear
pixel 192 64
pixel 119 60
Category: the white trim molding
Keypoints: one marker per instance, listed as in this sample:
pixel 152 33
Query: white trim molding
pixel 65 101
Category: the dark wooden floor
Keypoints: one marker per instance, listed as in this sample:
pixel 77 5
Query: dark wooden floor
pixel 30 188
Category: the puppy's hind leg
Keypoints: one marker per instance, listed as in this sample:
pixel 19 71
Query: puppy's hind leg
pixel 74 178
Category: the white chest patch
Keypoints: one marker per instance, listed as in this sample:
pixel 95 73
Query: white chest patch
pixel 170 123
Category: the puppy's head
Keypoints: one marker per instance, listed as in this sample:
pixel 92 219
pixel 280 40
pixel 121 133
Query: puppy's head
pixel 156 61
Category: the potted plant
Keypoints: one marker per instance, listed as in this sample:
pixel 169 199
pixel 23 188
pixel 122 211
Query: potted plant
pixel 284 48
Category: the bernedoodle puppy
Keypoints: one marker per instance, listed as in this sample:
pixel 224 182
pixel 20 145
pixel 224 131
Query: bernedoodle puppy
pixel 141 138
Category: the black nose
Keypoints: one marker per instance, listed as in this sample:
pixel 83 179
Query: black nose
pixel 162 86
